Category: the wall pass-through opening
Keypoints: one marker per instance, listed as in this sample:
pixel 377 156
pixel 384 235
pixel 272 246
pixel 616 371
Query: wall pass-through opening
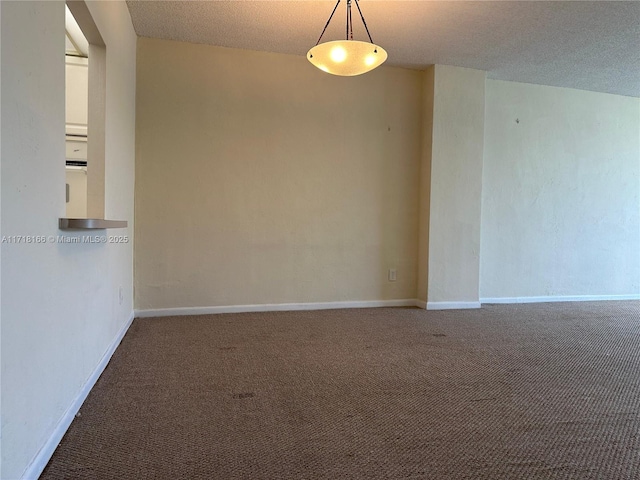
pixel 85 95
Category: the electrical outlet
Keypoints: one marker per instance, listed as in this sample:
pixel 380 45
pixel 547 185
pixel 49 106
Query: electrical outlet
pixel 392 274
pixel 120 295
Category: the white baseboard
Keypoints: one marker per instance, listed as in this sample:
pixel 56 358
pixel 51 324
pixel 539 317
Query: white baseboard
pixel 421 304
pixel 451 305
pixel 272 307
pixel 566 298
pixel 37 465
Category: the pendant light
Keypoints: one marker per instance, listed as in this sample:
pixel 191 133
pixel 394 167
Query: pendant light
pixel 347 57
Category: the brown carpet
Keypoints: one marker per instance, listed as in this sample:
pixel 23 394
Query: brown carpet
pixel 549 391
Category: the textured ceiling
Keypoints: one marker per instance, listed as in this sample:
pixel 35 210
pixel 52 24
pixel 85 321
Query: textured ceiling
pixel 576 44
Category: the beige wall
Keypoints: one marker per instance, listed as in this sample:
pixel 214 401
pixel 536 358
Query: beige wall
pixel 261 180
pixel 425 184
pixel 60 302
pixel 277 184
pixel 561 193
pixel 456 187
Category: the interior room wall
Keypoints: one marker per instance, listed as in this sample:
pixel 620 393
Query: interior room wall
pixel 425 184
pixel 561 193
pixel 261 180
pixel 61 308
pixel 456 187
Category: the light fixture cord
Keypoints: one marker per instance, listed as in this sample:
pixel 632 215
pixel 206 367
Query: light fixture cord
pixel 363 22
pixel 349 21
pixel 329 21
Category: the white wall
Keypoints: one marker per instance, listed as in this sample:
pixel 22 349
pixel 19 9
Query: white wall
pixel 456 187
pixel 261 180
pixel 561 193
pixel 60 305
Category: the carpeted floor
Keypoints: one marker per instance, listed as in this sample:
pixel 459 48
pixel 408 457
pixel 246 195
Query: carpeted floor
pixel 538 391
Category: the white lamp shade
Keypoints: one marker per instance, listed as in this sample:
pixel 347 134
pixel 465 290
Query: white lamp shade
pixel 347 57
